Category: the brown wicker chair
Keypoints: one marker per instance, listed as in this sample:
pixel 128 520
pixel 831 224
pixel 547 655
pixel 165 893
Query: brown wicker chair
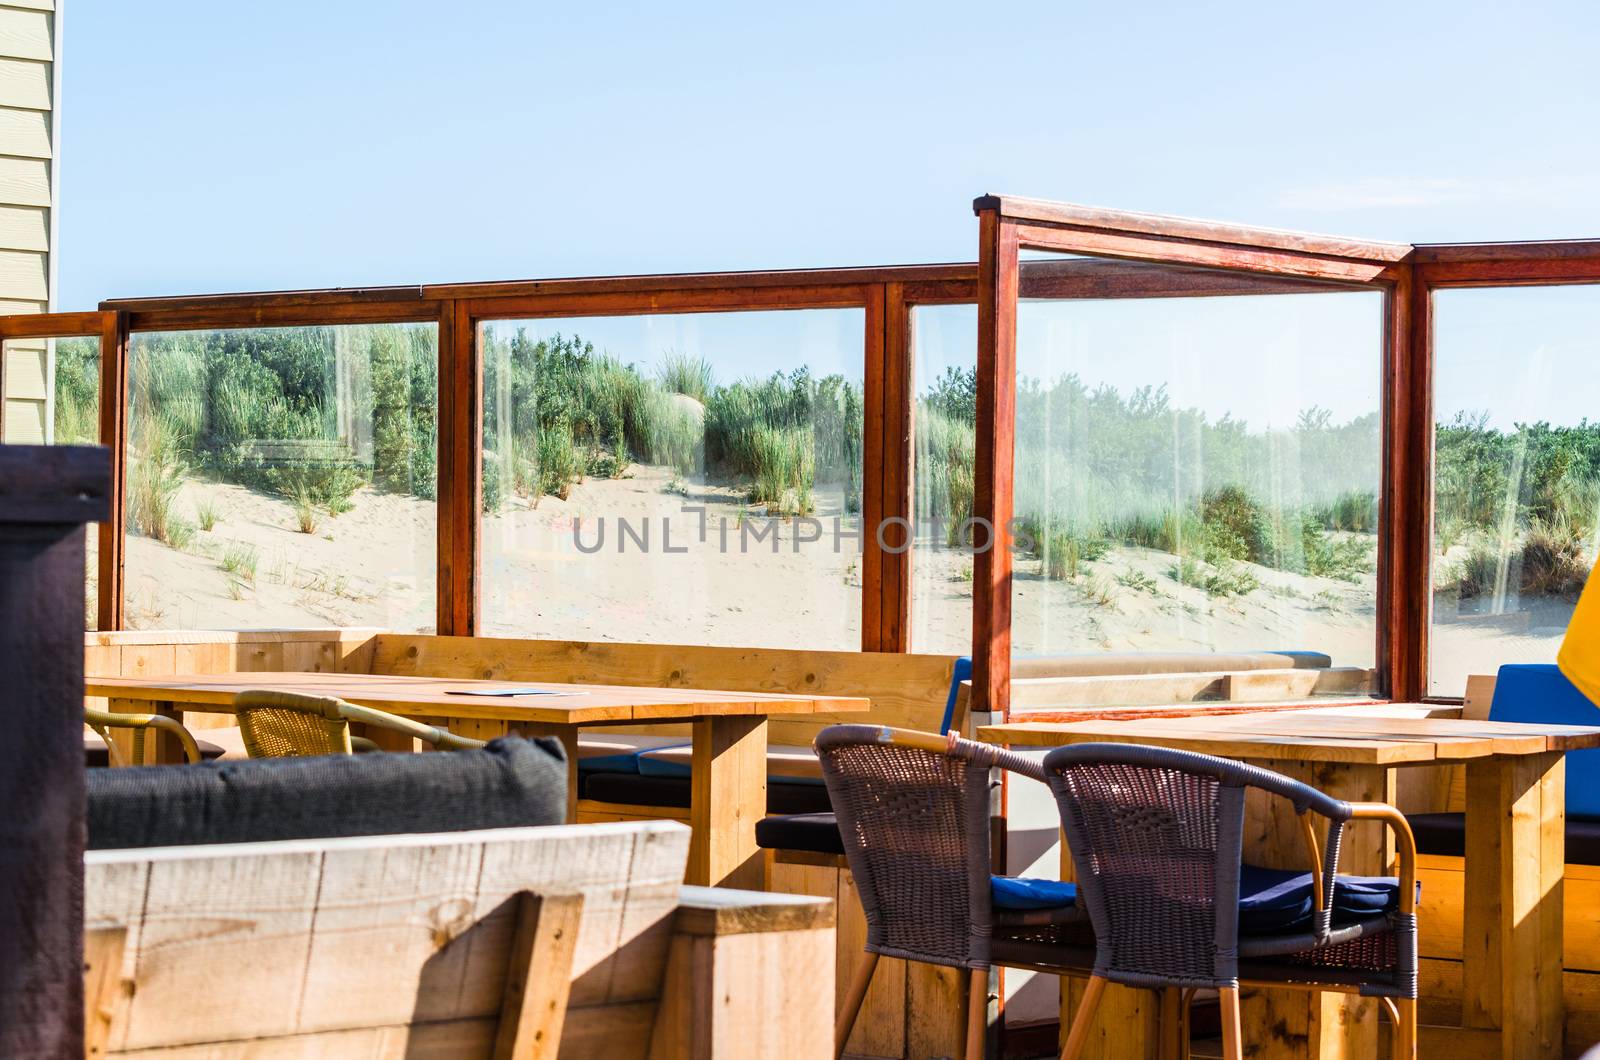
pixel 101 720
pixel 1156 837
pixel 913 811
pixel 277 724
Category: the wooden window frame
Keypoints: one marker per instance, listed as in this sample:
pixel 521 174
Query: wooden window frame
pixel 1124 246
pixel 1008 225
pixel 110 329
pixel 1464 266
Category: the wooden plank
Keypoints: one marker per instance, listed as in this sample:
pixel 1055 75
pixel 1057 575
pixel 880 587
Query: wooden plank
pixel 1294 1023
pixel 881 1025
pixel 114 436
pixel 908 691
pixel 1210 741
pixel 1405 571
pixel 996 440
pixel 52 325
pixel 728 795
pixel 24 83
pixel 26 34
pixel 1513 912
pixel 539 978
pixel 383 932
pixel 562 703
pixel 1114 244
pixel 874 557
pixel 102 986
pixel 1017 208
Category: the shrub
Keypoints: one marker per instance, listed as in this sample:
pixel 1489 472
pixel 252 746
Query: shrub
pixel 1235 525
pixel 1345 558
pixel 1552 560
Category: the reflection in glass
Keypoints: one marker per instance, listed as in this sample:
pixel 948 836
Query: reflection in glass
pixel 945 342
pixel 52 397
pixel 1197 463
pixel 688 478
pixel 282 477
pixel 1516 474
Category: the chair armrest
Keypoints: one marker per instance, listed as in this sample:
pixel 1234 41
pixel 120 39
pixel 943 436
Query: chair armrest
pixel 1405 846
pixel 383 720
pixel 99 719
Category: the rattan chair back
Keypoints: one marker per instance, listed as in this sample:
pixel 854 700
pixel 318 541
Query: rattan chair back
pixel 1156 837
pixel 277 724
pixel 913 811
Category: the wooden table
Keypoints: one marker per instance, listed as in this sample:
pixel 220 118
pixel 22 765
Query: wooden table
pixel 729 778
pixel 1511 967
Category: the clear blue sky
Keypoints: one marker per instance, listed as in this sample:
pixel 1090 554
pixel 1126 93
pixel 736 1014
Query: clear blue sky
pixel 239 146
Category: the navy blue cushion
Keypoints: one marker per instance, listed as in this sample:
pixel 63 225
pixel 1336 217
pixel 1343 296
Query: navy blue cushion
pixel 1278 900
pixel 1542 693
pixel 621 762
pixel 1019 893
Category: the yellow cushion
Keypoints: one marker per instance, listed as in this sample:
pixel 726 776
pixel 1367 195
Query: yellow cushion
pixel 1579 657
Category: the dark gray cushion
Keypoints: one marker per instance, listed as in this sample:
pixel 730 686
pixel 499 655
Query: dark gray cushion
pixel 814 832
pixel 510 783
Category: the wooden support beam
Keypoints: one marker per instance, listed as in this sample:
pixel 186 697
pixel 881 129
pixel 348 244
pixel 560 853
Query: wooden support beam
pixel 47 494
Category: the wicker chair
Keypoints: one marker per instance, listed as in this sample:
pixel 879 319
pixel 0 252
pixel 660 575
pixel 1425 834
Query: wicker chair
pixel 913 811
pixel 101 720
pixel 1156 837
pixel 277 724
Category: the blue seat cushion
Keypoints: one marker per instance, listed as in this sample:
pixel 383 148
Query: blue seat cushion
pixel 1273 901
pixel 1542 693
pixel 1019 893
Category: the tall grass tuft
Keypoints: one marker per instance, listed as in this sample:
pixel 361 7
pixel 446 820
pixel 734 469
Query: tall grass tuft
pixel 155 476
pixel 682 373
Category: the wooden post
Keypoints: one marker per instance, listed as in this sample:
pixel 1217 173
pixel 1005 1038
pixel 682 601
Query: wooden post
pixel 47 494
pixel 996 429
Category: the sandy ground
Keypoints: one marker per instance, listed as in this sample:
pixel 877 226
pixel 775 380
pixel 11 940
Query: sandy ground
pixel 750 580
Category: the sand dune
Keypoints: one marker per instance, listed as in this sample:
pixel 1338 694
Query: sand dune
pixel 749 581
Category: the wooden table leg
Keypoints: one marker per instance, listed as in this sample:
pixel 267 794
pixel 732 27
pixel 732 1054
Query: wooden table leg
pixel 1511 945
pixel 1297 1023
pixel 728 796
pixel 168 750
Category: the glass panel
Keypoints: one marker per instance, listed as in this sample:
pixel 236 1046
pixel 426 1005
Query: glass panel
pixel 1516 474
pixel 1197 463
pixel 682 478
pixel 282 477
pixel 944 345
pixel 52 397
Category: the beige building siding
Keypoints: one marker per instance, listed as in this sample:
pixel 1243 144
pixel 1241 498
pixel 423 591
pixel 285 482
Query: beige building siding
pixel 30 49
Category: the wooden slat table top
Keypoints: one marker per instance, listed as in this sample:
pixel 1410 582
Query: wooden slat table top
pixel 430 696
pixel 1357 736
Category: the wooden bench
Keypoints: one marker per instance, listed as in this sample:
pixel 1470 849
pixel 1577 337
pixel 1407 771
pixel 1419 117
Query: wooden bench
pixel 574 940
